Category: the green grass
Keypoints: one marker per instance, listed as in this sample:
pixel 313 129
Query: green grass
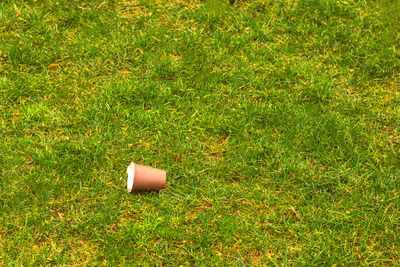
pixel 278 123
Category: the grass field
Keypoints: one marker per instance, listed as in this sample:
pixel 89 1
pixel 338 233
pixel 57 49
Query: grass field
pixel 278 122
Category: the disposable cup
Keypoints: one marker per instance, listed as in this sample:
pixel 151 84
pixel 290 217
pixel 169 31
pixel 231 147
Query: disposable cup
pixel 145 178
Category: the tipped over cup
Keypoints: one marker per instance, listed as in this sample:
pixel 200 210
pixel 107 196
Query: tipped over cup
pixel 144 178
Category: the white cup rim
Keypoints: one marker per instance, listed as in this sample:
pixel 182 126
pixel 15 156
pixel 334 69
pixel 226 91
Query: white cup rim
pixel 131 176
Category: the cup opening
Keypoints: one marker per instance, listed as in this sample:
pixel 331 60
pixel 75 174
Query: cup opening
pixel 131 176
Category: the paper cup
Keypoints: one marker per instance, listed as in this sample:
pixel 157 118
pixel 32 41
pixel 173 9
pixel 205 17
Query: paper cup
pixel 144 178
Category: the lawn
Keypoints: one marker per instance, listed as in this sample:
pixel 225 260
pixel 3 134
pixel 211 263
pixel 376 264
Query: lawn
pixel 278 122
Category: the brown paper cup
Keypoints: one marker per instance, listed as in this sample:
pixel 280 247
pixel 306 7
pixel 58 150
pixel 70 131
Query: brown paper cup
pixel 144 178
